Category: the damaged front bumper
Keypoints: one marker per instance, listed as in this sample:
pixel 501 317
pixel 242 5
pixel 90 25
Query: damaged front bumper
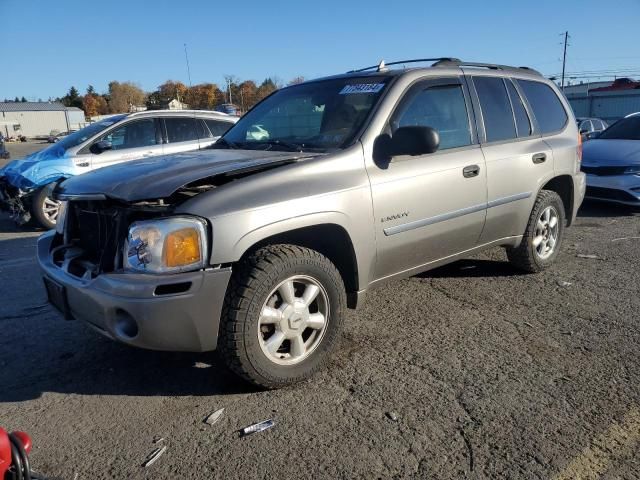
pixel 15 201
pixel 174 312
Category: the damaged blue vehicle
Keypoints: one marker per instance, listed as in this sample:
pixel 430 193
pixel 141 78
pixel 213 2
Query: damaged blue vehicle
pixel 26 184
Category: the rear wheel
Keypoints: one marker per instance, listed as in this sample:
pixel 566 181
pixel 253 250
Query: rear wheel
pixel 542 238
pixel 45 209
pixel 282 316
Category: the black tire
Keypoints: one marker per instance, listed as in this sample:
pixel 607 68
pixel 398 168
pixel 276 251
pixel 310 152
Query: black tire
pixel 251 283
pixel 37 209
pixel 525 257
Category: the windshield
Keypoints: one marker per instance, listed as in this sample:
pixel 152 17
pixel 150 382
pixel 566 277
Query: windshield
pixel 76 138
pixel 313 116
pixel 625 129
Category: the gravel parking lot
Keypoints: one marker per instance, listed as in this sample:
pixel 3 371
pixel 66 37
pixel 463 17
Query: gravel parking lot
pixel 471 370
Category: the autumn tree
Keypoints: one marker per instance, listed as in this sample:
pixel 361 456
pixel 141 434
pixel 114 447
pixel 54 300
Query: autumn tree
pixel 123 96
pixel 204 96
pixel 94 105
pixel 172 89
pixel 296 80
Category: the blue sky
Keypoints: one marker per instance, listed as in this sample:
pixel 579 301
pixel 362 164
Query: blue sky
pixel 49 46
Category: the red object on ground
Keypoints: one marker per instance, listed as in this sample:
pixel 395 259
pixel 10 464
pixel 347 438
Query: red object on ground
pixel 5 452
pixel 5 449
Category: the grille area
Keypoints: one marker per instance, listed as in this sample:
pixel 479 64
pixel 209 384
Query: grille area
pixel 603 171
pixel 610 194
pixel 95 230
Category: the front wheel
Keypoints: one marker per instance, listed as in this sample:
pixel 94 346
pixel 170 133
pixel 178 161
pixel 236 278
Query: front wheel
pixel 542 238
pixel 282 316
pixel 45 209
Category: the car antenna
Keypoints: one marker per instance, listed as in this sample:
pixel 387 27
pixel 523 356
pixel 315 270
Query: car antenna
pixel 195 119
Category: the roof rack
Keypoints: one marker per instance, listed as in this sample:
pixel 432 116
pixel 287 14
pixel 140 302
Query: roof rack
pixel 381 67
pixel 491 66
pixel 446 62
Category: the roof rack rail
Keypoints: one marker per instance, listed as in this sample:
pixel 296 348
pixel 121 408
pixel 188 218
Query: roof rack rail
pixel 491 66
pixel 381 67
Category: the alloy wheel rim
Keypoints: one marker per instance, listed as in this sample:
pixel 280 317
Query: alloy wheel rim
pixel 293 320
pixel 545 238
pixel 51 209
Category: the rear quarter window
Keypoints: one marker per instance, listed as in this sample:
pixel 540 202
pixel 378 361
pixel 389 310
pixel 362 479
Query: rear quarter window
pixel 546 105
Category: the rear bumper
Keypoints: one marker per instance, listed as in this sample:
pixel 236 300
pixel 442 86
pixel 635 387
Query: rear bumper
pixel 623 189
pixel 127 307
pixel 579 189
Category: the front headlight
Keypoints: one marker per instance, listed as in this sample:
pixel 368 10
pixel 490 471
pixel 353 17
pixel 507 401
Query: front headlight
pixel 166 245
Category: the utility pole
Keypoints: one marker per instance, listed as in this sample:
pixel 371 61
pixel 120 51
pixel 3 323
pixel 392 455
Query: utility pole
pixel 564 57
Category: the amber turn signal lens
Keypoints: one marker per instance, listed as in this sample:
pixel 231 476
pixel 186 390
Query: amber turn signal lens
pixel 181 247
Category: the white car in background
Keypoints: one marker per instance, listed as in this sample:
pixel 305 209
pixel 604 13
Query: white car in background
pixel 26 184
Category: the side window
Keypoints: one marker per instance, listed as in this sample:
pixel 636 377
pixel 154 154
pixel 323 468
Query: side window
pixel 184 129
pixel 218 128
pixel 546 105
pixel 442 108
pixel 523 125
pixel 496 108
pixel 136 134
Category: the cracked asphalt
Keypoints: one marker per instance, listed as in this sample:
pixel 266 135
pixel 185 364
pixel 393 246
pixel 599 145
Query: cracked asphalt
pixel 488 373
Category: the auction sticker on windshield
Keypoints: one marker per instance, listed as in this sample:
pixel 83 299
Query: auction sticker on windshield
pixel 362 88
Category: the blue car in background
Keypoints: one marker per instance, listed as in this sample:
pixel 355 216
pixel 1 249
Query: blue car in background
pixel 26 185
pixel 612 163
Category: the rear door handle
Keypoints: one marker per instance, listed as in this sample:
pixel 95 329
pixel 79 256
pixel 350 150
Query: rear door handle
pixel 539 157
pixel 470 171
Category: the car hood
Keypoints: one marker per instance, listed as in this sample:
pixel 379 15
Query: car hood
pixel 38 168
pixel 599 152
pixel 160 177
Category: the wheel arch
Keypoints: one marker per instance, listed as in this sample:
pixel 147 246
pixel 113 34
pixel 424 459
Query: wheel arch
pixel 331 240
pixel 563 186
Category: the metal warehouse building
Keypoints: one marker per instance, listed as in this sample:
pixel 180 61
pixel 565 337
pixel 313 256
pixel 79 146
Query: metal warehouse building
pixel 609 101
pixel 33 119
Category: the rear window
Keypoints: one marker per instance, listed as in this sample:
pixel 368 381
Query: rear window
pixel 218 128
pixel 184 129
pixel 496 108
pixel 546 105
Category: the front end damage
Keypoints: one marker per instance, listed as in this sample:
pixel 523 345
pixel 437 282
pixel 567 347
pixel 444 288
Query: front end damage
pixel 22 179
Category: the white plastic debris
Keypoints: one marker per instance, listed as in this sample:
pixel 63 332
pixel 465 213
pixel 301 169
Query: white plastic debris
pixel 562 283
pixel 214 417
pixel 257 427
pixel 588 256
pixel 154 456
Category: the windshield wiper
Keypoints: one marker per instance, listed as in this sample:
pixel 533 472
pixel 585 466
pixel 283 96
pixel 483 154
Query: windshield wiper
pixel 290 146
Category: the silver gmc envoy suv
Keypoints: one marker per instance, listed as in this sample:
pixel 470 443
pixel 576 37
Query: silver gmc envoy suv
pixel 257 245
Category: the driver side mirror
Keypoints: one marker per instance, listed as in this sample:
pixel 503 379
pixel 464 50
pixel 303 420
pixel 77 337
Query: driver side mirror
pixel 101 146
pixel 407 141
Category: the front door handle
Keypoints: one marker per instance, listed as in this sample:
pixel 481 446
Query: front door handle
pixel 539 158
pixel 470 171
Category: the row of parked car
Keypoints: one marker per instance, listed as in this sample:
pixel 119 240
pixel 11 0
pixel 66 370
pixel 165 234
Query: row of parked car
pixel 26 184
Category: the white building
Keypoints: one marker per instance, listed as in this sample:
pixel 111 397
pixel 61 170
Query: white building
pixel 35 119
pixel 176 104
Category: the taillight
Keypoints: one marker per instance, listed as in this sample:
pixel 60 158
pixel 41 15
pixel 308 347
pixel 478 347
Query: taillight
pixel 579 153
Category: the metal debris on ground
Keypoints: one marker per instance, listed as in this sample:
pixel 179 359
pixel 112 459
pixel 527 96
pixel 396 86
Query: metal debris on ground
pixel 625 238
pixel 158 439
pixel 154 456
pixel 588 256
pixel 393 416
pixel 257 427
pixel 562 283
pixel 528 324
pixel 214 417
